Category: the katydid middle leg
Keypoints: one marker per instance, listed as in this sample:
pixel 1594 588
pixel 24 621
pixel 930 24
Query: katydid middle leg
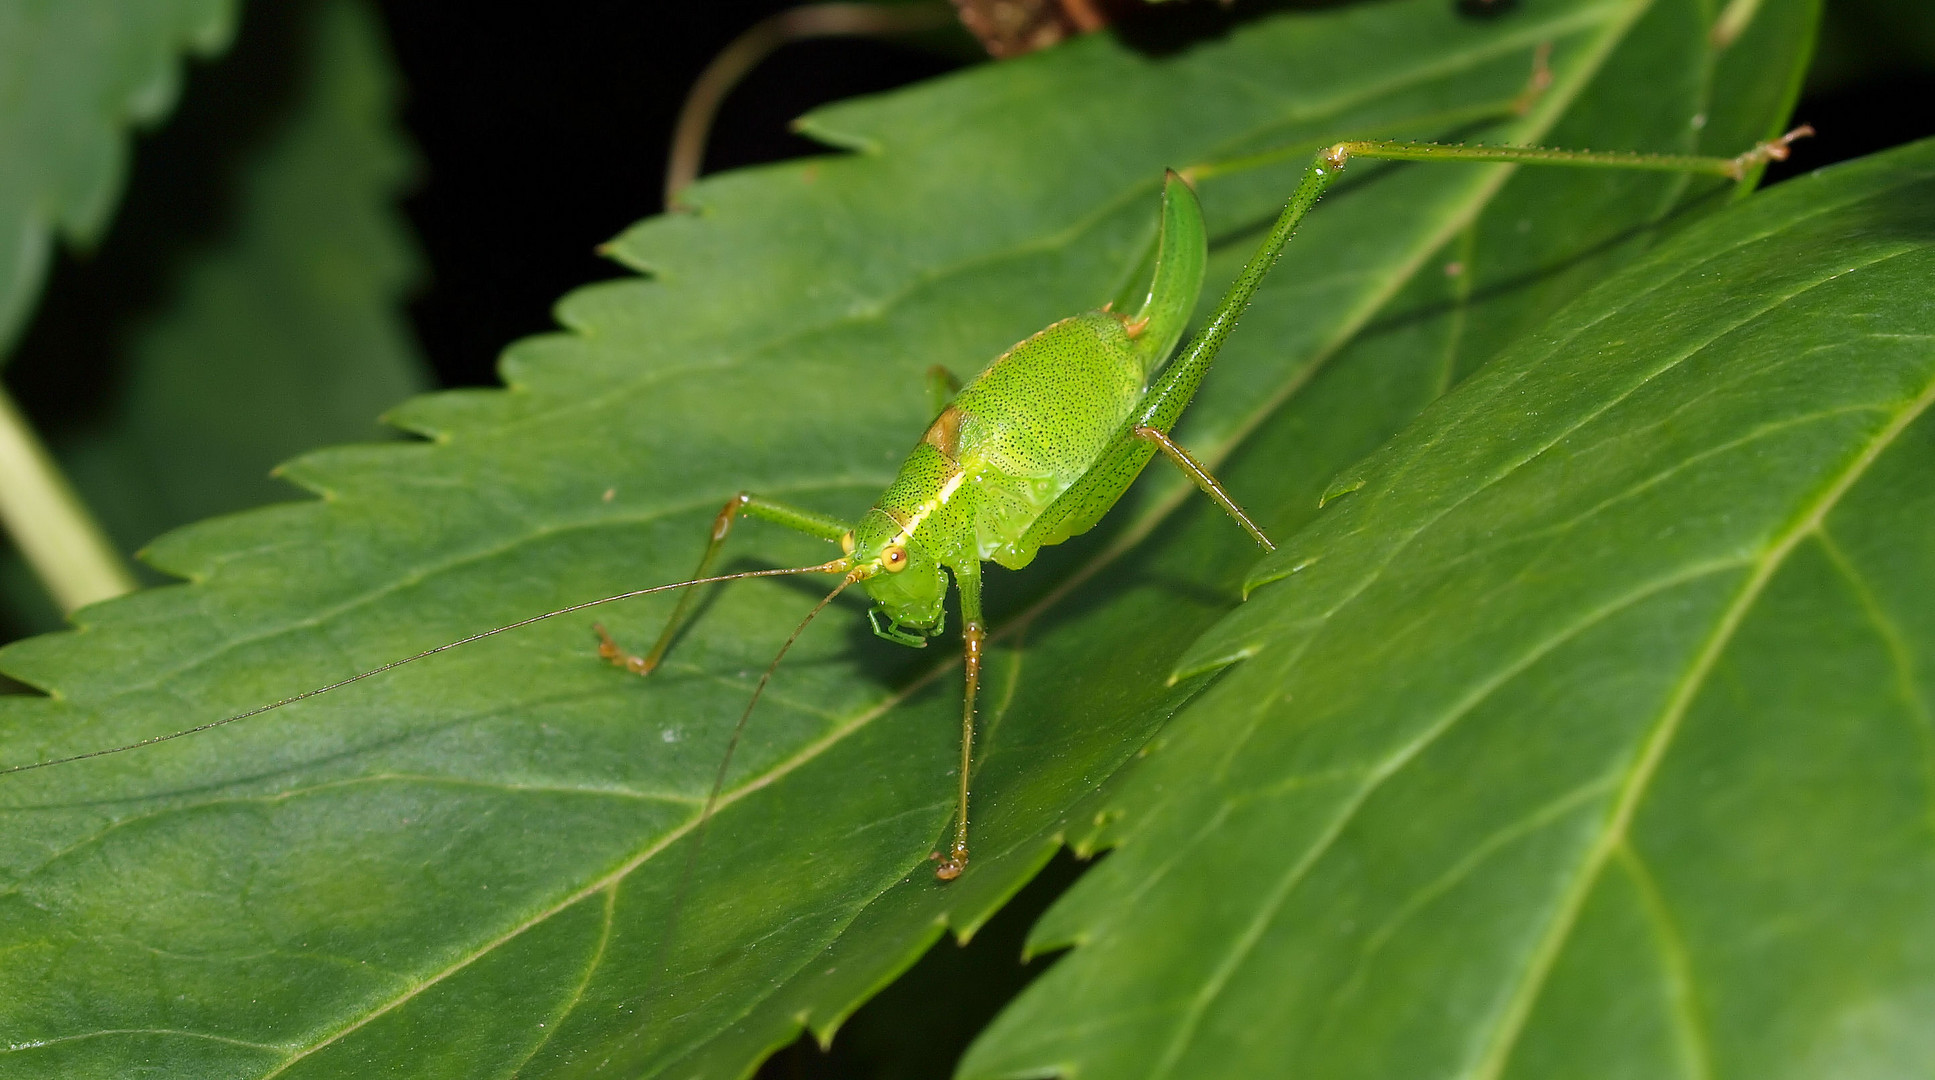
pixel 809 522
pixel 941 388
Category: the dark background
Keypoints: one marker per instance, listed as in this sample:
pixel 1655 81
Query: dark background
pixel 545 137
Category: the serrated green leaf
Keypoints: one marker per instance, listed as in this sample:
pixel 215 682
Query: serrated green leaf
pixel 1593 736
pixel 284 330
pixel 467 867
pixel 74 75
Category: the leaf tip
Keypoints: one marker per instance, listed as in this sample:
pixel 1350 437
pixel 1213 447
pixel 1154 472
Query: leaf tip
pixel 1206 664
pixel 1276 570
pixel 1339 488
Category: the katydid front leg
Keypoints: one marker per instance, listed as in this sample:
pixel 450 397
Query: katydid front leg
pixel 792 517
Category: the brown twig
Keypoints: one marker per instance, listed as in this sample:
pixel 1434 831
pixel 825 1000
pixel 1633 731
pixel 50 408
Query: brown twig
pixel 746 51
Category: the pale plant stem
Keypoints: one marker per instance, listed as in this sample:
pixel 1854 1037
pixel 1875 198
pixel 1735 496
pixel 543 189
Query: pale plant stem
pixel 53 529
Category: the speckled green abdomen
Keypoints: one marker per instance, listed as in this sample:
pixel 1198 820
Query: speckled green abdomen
pixel 1013 440
pixel 1036 420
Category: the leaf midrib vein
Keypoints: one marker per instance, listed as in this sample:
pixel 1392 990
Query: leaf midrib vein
pixel 1390 557
pixel 1519 828
pixel 1517 1009
pixel 1390 766
pixel 108 1033
pixel 270 798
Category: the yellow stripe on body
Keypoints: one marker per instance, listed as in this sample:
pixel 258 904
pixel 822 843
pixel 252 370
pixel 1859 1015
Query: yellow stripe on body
pixel 939 500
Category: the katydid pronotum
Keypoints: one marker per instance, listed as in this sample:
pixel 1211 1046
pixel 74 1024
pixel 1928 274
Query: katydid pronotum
pixel 1034 450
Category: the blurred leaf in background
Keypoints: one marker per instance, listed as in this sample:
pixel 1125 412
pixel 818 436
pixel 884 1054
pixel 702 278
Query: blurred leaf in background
pixel 73 78
pixel 248 305
pixel 74 75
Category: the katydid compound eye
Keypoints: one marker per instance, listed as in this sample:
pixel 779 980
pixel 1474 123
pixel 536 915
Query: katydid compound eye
pixel 895 559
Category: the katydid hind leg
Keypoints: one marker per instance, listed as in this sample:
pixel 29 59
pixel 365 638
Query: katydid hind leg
pixel 743 503
pixel 1205 482
pixel 1084 504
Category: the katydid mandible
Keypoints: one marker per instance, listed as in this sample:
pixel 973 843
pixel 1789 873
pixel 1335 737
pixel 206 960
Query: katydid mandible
pixel 1034 450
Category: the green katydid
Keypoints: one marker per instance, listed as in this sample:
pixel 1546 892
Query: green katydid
pixel 1034 450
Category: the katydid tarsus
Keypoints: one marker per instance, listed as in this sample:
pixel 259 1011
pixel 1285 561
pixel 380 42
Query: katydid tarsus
pixel 1032 451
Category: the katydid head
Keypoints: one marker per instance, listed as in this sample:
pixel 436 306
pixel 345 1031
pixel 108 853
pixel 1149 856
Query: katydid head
pixel 906 582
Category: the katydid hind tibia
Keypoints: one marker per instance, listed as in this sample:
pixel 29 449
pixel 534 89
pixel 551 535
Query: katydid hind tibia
pixel 1032 451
